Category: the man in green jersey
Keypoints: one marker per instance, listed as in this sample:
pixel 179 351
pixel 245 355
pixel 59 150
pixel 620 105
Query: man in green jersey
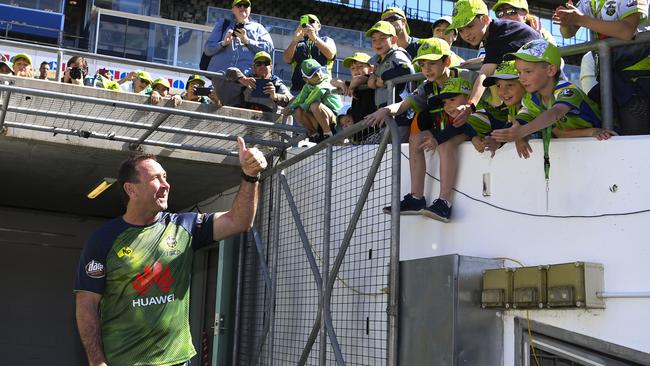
pixel 132 285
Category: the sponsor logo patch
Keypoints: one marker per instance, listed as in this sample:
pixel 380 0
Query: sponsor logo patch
pixel 124 252
pixel 94 269
pixel 567 93
pixel 151 275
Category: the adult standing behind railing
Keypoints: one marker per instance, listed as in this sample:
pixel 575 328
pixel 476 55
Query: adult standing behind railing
pixel 630 64
pixel 396 17
pixel 307 43
pixel 233 43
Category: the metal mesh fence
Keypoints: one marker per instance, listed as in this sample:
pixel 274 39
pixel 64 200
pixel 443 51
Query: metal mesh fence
pixel 359 297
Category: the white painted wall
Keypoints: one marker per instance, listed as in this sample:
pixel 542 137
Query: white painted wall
pixel 582 172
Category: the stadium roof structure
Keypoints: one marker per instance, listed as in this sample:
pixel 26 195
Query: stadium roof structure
pixel 57 141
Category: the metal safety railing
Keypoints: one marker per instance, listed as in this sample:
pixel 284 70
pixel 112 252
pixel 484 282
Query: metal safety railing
pixel 324 332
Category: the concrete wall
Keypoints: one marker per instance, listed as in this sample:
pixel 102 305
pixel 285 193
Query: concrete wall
pixel 582 179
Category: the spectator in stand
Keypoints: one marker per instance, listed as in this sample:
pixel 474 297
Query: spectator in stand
pixel 630 64
pixel 261 90
pixel 471 19
pixel 104 80
pixel 160 90
pixel 140 82
pixel 390 62
pixel 363 100
pixel 44 70
pixel 234 43
pixel 76 72
pixel 439 29
pixel 23 65
pixel 517 10
pixel 6 68
pixel 396 17
pixel 316 107
pixel 193 83
pixel 556 104
pixel 307 43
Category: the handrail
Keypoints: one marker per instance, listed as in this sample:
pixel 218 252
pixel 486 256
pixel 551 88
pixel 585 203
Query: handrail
pixel 603 46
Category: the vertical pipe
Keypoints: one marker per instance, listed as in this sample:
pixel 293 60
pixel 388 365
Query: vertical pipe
pixel 274 270
pixel 393 280
pixel 59 64
pixel 177 35
pixel 238 296
pixel 606 102
pixel 5 105
pixel 327 210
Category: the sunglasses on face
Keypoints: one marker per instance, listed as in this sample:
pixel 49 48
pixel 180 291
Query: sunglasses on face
pixel 393 18
pixel 262 63
pixel 506 13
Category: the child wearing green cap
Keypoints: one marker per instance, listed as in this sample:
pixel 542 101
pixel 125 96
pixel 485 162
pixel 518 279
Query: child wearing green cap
pixel 389 62
pixel 470 18
pixel 160 90
pixel 432 127
pixel 316 106
pixel 553 102
pixel 22 65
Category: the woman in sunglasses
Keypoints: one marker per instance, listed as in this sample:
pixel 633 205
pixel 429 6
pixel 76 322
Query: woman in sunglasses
pixel 307 43
pixel 517 10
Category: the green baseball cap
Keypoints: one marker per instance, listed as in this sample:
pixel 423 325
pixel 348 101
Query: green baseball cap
pixel 144 76
pixel 309 67
pixel 357 56
pixel 23 56
pixel 505 71
pixel 262 55
pixel 453 87
pixel 161 81
pixel 519 4
pixel 464 12
pixel 237 2
pixel 432 49
pixel 382 27
pixel 393 10
pixel 538 50
pixel 9 64
pixel 193 78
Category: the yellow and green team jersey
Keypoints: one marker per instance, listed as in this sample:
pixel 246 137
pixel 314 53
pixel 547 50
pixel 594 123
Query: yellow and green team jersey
pixel 143 274
pixel 583 112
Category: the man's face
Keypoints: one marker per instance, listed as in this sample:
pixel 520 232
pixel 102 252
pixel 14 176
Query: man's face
pixel 192 85
pixel 432 70
pixel 507 12
pixel 397 21
pixel 262 68
pixel 20 65
pixel 382 43
pixel 534 76
pixel 359 68
pixel 151 190
pixel 439 32
pixel 4 69
pixel 454 102
pixel 511 92
pixel 241 11
pixel 474 32
pixel 44 70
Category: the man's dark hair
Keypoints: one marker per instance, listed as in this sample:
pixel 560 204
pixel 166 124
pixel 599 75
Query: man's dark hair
pixel 44 63
pixel 128 172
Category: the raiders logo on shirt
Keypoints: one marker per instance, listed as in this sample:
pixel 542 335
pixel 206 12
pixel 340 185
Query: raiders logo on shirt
pixel 568 93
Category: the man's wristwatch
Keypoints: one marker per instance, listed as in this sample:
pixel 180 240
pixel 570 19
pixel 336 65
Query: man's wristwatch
pixel 250 179
pixel 472 106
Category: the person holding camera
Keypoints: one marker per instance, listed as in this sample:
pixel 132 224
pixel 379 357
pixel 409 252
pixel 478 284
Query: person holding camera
pixel 233 43
pixel 307 44
pixel 76 72
pixel 195 90
pixel 260 89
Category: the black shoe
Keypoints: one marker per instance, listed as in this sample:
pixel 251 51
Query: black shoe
pixel 409 206
pixel 316 138
pixel 439 210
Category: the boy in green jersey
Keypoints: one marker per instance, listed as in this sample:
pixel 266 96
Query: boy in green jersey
pixel 554 102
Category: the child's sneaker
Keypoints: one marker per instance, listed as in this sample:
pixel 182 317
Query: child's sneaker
pixel 410 206
pixel 439 210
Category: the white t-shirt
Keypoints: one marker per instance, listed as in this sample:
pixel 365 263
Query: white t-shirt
pixel 614 10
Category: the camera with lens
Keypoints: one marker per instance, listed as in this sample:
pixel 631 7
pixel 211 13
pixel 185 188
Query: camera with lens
pixel 239 26
pixel 75 73
pixel 304 20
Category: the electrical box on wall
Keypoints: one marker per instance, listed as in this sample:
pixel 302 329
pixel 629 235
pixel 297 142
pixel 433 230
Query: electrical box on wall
pixel 575 285
pixel 529 287
pixel 497 288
